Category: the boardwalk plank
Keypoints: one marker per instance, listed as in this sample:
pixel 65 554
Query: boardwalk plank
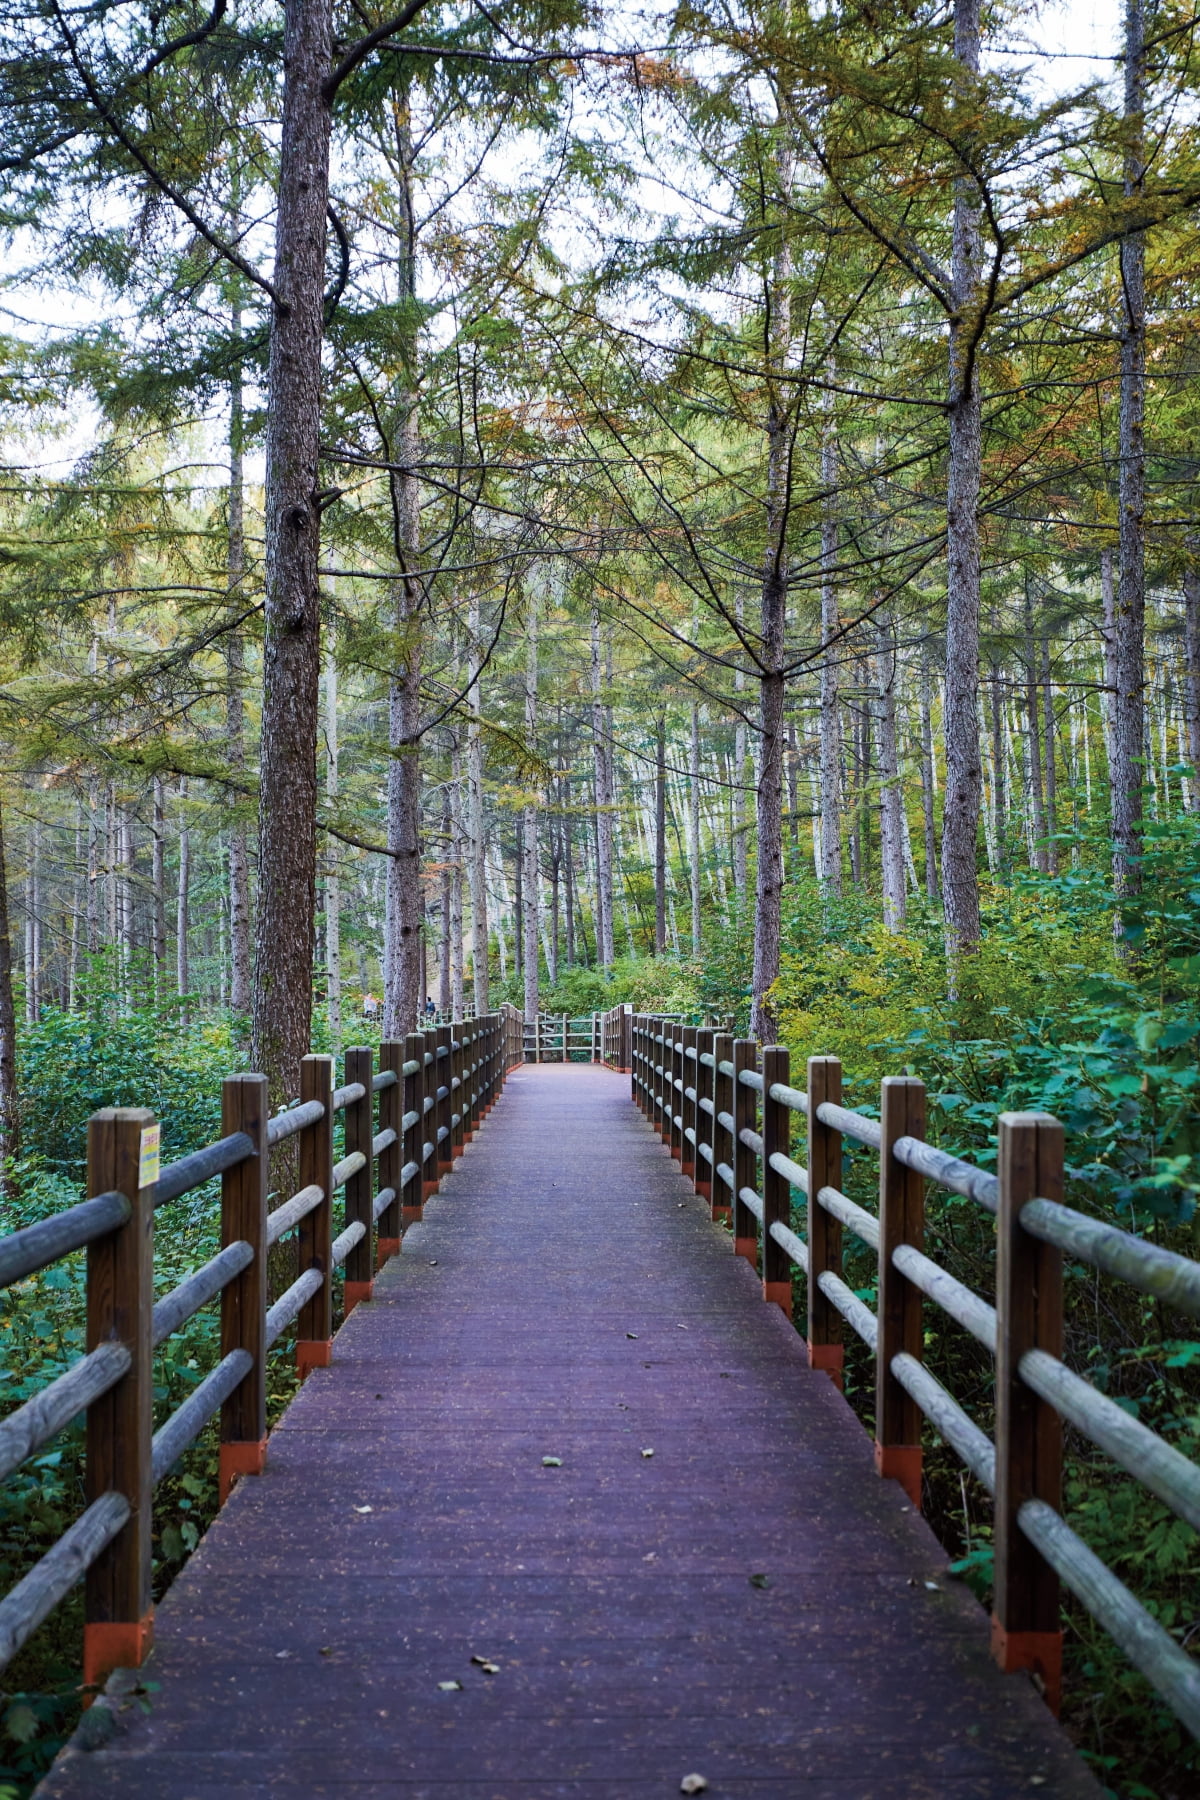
pixel 586 1310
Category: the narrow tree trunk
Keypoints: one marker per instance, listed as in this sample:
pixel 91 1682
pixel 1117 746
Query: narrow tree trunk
pixel 1000 765
pixel 292 647
pixel 182 908
pixel 1191 654
pixel 660 836
pixel 928 794
pixel 10 1115
pixel 333 890
pixel 891 798
pixel 476 835
pixel 158 880
pixel 1049 749
pixel 960 814
pixel 240 993
pixel 1129 722
pixel 457 858
pixel 831 724
pixel 532 873
pixel 694 827
pixel 602 763
pixel 1033 764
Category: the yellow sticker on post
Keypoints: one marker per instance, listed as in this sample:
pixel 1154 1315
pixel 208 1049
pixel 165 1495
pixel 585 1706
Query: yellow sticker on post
pixel 148 1155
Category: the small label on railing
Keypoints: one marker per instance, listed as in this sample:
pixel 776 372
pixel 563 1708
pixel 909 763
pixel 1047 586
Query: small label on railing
pixel 148 1155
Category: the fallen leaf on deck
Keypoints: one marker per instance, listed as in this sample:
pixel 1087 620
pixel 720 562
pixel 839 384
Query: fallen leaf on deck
pixel 552 1462
pixel 693 1784
pixel 450 1687
pixel 760 1581
pixel 647 1453
pixel 364 1509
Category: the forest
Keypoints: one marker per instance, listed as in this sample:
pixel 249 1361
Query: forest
pixel 568 505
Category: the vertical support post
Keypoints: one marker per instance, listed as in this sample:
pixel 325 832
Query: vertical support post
pixel 674 1067
pixel 625 1031
pixel 118 1613
pixel 776 1189
pixel 704 1119
pixel 901 1221
pixel 412 1121
pixel 360 1135
pixel 443 1069
pixel 429 1114
pixel 1026 1622
pixel 391 1160
pixel 314 1329
pixel 689 1074
pixel 243 1450
pixel 826 1348
pixel 458 1095
pixel 745 1225
pixel 722 1139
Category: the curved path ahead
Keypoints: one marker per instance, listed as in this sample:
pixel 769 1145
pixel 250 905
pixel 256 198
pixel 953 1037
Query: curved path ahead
pixel 749 1603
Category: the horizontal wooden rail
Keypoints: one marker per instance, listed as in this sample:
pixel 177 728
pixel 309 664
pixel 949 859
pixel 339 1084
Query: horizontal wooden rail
pixel 35 1247
pixel 384 1176
pixel 1036 1390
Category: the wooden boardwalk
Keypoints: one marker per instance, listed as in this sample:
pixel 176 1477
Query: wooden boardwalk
pixel 749 1603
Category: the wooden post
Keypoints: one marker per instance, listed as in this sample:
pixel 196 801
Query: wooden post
pixel 458 1095
pixel 122 1155
pixel 776 1189
pixel 901 1221
pixel 360 1135
pixel 1026 1622
pixel 722 1141
pixel 314 1329
pixel 675 1102
pixel 689 1074
pixel 412 1107
pixel 745 1225
pixel 443 1132
pixel 427 1057
pixel 243 1450
pixel 826 1349
pixel 625 1034
pixel 391 1160
pixel 704 1120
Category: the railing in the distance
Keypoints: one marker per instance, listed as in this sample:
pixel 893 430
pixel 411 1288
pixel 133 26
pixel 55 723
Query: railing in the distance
pixel 404 1125
pixel 726 1112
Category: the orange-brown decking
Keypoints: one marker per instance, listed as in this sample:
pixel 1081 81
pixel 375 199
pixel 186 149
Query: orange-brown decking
pixel 713 1579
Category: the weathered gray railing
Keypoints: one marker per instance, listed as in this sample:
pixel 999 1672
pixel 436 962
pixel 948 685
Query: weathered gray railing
pixel 726 1111
pixel 404 1125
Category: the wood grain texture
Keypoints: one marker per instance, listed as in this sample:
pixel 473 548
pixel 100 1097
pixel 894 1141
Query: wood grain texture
pixel 360 1134
pixel 315 1325
pixel 826 1347
pixel 569 1296
pixel 245 1107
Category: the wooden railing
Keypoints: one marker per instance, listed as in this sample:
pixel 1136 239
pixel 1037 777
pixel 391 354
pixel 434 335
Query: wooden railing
pixel 726 1110
pixel 404 1125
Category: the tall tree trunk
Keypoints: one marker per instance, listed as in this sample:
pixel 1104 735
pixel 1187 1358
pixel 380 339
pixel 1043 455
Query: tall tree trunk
pixel 183 975
pixel 831 726
pixel 240 992
pixel 660 836
pixel 333 891
pixel 568 833
pixel 928 794
pixel 282 1010
pixel 158 881
pixel 1048 745
pixel 1033 764
pixel 1000 766
pixel 457 858
pixel 891 797
pixel 603 769
pixel 960 814
pixel 1191 656
pixel 405 905
pixel 694 824
pixel 476 835
pixel 1130 622
pixel 532 874
pixel 10 1115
